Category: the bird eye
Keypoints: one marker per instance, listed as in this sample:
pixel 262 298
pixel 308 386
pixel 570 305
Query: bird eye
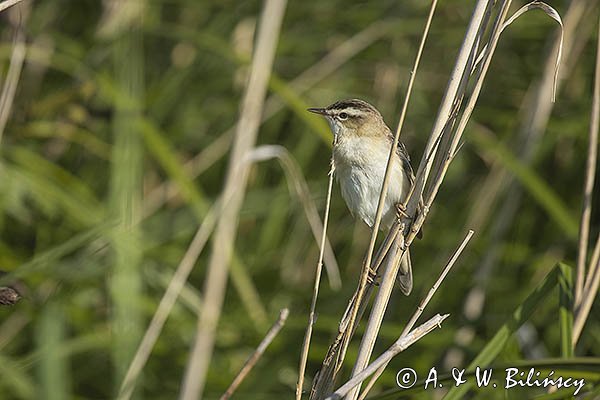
pixel 342 116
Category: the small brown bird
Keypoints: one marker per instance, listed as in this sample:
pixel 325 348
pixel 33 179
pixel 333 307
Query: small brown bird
pixel 361 149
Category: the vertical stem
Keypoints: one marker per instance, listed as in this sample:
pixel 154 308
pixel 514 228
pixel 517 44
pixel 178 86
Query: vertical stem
pixel 413 320
pixel 565 310
pixel 376 317
pixel 53 369
pixel 313 303
pixel 235 187
pixel 584 226
pixel 17 58
pixel 125 200
pixel 587 299
pixel 462 65
pixel 251 362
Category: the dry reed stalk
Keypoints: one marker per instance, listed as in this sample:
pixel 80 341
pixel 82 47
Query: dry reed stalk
pixel 443 143
pixel 583 311
pixel 536 111
pixel 500 25
pixel 177 282
pixel 323 382
pixel 8 3
pixel 486 56
pixel 253 359
pixel 413 320
pixel 298 186
pixel 235 186
pixel 590 173
pixel 389 278
pixel 313 303
pixel 401 344
pixel 17 58
pixel 446 115
pixel 450 101
pixel 585 298
pixel 447 110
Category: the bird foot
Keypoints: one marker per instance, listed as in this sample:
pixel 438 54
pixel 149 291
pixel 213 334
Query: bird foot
pixel 373 278
pixel 401 210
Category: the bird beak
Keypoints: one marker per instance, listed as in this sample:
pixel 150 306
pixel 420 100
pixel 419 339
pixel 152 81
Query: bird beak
pixel 321 111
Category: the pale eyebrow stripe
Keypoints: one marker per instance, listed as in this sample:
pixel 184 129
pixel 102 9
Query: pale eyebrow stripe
pixel 354 112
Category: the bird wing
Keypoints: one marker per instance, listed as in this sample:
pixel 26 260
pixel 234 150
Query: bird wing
pixel 409 173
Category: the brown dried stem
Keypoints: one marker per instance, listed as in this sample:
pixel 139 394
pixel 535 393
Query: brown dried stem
pixel 8 3
pixel 413 320
pixel 399 346
pixel 385 290
pixel 17 58
pixel 445 118
pixel 583 311
pixel 584 226
pixel 235 185
pixel 586 290
pixel 313 303
pixel 253 359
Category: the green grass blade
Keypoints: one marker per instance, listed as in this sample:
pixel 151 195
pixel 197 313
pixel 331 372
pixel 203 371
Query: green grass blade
pixel 125 202
pixel 565 312
pixel 53 368
pixel 497 343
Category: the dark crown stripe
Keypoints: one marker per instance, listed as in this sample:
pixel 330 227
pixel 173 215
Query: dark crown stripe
pixel 352 103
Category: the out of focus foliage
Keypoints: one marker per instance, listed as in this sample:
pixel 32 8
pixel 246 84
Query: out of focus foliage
pixel 115 97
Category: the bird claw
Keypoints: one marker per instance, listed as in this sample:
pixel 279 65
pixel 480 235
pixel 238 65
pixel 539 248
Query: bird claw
pixel 373 279
pixel 401 210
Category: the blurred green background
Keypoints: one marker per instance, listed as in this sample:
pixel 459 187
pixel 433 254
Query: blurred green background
pixel 116 97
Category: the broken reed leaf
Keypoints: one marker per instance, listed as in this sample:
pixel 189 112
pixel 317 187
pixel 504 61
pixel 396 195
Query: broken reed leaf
pixel 552 13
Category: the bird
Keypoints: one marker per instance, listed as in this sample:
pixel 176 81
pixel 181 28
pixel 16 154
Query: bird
pixel 361 147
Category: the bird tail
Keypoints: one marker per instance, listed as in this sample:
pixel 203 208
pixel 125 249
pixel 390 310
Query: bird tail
pixel 404 277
